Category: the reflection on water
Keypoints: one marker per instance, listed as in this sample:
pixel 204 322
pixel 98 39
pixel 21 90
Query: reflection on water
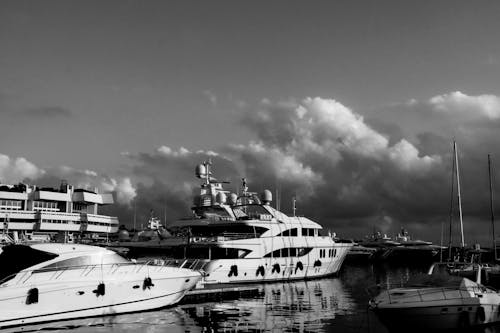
pixel 283 307
pixel 328 305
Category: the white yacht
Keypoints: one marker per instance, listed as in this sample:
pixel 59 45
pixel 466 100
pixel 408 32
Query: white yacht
pixel 438 303
pixel 53 281
pixel 242 238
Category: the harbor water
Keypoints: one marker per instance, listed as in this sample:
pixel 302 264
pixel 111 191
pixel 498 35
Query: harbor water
pixel 334 304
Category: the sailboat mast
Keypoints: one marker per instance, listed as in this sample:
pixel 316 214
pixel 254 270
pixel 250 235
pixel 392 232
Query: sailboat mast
pixel 491 209
pixel 451 202
pixel 459 199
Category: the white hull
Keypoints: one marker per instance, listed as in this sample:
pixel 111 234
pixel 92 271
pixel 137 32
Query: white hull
pixel 71 294
pixel 258 270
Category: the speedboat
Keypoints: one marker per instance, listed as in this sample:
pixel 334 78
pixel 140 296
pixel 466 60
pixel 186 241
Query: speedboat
pixel 438 302
pixel 52 281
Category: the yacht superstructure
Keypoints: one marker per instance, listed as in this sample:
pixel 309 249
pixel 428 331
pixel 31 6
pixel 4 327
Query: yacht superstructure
pixel 243 239
pixel 29 210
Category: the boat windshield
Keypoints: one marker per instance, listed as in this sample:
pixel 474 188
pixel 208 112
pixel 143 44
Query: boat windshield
pixel 86 260
pixel 15 258
pixel 245 212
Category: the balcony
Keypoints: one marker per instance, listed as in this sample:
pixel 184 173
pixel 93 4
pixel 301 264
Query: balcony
pixel 13 195
pixel 93 218
pixel 52 196
pixel 101 199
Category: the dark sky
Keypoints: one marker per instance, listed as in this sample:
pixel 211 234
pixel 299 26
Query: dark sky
pixel 351 105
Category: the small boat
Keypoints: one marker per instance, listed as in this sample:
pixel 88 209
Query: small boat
pixel 436 303
pixel 52 281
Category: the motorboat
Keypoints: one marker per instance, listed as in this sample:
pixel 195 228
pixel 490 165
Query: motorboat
pixel 53 281
pixel 437 302
pixel 242 238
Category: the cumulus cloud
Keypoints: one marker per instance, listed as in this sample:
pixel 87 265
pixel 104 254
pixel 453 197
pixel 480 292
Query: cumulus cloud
pixel 456 102
pixel 17 169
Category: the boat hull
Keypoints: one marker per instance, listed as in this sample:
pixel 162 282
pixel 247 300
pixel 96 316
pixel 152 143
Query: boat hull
pixel 259 270
pixel 65 297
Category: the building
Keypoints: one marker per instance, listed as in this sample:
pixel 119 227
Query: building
pixel 27 210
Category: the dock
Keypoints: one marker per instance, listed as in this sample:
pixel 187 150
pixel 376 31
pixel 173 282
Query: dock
pixel 220 293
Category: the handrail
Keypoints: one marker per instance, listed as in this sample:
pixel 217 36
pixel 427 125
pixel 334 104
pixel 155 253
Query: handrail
pixel 140 265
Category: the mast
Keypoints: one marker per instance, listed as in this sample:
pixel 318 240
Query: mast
pixel 459 200
pixel 491 209
pixel 451 202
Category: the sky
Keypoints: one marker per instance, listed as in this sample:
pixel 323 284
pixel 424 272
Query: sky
pixel 351 106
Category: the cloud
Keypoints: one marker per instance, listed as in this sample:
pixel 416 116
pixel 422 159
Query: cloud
pixel 350 172
pixel 470 106
pixel 17 169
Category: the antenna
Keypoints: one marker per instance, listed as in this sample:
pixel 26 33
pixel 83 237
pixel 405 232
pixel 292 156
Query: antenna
pixel 491 209
pixel 294 202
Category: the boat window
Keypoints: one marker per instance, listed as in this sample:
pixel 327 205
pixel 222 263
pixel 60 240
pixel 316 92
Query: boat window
pixel 245 212
pixel 213 213
pixel 95 259
pixel 288 252
pixel 228 253
pixel 15 258
pixel 229 231
pixel 308 231
pixel 289 232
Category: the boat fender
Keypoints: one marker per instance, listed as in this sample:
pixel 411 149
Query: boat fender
pixel 317 263
pixel 147 284
pixel 276 268
pixel 463 319
pixel 299 266
pixel 32 296
pixel 100 291
pixel 233 271
pixel 480 315
pixel 260 270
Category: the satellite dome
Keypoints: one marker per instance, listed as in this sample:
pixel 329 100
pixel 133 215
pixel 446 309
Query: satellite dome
pixel 123 235
pixel 200 170
pixel 233 197
pixel 221 198
pixel 267 197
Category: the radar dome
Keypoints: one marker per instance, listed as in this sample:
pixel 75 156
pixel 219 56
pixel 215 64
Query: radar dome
pixel 221 198
pixel 200 171
pixel 233 197
pixel 123 235
pixel 267 197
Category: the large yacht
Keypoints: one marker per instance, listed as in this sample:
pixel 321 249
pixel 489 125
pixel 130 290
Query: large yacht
pixel 53 281
pixel 242 238
pixel 32 213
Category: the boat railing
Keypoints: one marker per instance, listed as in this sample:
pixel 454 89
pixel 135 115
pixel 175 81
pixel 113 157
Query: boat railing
pixel 109 269
pixel 223 237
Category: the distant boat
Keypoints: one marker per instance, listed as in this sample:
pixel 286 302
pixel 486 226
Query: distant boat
pixel 50 281
pixel 437 303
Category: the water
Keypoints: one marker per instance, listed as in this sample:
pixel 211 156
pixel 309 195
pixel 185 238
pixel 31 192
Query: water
pixel 337 304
